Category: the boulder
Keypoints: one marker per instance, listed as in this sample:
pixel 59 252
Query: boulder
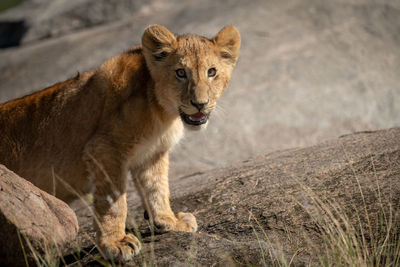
pixel 33 223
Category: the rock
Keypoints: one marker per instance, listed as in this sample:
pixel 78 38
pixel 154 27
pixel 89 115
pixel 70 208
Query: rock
pixel 271 204
pixel 49 19
pixel 28 213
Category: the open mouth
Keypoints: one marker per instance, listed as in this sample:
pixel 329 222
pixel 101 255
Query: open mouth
pixel 194 119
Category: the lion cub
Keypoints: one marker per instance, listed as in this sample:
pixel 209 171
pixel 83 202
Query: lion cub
pixel 124 116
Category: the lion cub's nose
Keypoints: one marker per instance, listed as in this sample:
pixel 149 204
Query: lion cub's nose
pixel 199 105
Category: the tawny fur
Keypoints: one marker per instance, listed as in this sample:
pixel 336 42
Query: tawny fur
pixel 123 117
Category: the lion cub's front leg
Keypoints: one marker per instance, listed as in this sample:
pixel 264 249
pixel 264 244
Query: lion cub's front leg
pixel 110 206
pixel 152 183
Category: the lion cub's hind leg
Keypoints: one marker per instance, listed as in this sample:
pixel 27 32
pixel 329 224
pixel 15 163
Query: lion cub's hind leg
pixel 152 183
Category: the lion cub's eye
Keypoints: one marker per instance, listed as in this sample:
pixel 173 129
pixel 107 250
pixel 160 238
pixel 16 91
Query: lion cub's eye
pixel 211 72
pixel 180 73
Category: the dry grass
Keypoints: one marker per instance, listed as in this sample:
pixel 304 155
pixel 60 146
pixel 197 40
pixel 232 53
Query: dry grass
pixel 359 238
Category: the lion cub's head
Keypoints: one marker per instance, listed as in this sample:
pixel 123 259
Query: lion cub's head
pixel 190 72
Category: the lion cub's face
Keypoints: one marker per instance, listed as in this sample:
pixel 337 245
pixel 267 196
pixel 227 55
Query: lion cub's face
pixel 190 72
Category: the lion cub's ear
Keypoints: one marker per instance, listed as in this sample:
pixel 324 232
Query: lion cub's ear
pixel 228 39
pixel 157 42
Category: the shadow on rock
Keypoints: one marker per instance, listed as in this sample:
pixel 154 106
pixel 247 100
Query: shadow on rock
pixel 12 32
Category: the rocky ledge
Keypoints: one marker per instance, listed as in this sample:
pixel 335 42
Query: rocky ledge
pixel 278 207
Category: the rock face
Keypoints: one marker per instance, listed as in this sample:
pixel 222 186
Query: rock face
pixel 28 213
pixel 273 204
pixel 49 19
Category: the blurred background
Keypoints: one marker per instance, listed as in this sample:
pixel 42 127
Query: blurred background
pixel 309 70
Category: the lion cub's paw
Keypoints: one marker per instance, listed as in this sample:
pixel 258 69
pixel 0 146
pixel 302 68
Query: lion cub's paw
pixel 186 222
pixel 123 250
pixel 165 223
